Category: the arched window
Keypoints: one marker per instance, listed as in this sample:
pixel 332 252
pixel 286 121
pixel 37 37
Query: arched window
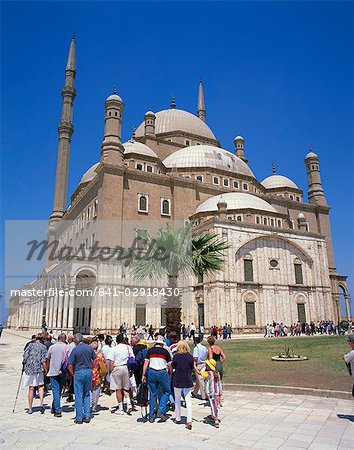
pixel 139 166
pixel 298 272
pixel 264 221
pixel 165 206
pixel 149 169
pixel 279 223
pixel 258 220
pixel 142 203
pixel 239 218
pixel 272 222
pixel 248 268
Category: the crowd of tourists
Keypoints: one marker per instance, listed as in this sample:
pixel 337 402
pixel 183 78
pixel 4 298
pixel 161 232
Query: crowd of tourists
pixel 278 329
pixel 159 374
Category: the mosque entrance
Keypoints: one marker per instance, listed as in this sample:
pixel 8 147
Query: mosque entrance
pixel 84 288
pixel 301 313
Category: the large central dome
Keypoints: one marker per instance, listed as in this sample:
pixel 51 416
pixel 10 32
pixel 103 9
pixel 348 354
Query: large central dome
pixel 174 119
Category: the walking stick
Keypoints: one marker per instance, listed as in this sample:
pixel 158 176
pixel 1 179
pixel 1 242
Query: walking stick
pixel 18 390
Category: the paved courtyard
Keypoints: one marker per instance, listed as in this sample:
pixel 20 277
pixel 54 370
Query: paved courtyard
pixel 248 420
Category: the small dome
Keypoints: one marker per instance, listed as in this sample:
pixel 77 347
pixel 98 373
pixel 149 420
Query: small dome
pixel 178 120
pixel 207 156
pixel 236 200
pixel 301 217
pixel 150 113
pixel 114 97
pixel 278 181
pixel 139 148
pixel 239 138
pixel 90 174
pixel 311 155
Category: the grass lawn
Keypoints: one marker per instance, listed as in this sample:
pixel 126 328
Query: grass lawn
pixel 249 362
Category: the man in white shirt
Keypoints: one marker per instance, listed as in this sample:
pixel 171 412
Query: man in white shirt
pixel 349 357
pixel 118 357
pixel 200 355
pixel 55 357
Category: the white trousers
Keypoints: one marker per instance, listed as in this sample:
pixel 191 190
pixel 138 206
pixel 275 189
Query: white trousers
pixel 187 393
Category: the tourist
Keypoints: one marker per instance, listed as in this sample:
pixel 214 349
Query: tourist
pixel 192 331
pixel 158 359
pixel 215 352
pixel 183 364
pixel 173 342
pixel 213 389
pixel 140 356
pixel 100 338
pixel 105 351
pixel 99 371
pixel 229 331
pixel 201 332
pixel 200 354
pixel 34 366
pixel 118 357
pixel 150 333
pixel 56 356
pixel 224 331
pixel 349 357
pixel 81 361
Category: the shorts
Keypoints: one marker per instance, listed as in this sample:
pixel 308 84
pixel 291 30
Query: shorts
pixel 120 378
pixel 34 380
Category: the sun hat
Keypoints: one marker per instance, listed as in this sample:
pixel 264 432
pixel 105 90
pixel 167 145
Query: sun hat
pixel 159 340
pixel 211 363
pixel 143 342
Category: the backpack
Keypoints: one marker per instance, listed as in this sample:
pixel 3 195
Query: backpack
pixel 142 396
pixel 131 363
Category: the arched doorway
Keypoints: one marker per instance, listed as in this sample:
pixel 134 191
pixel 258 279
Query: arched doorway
pixel 344 303
pixel 84 289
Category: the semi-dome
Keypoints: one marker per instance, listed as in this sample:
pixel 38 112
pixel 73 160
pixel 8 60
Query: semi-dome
pixel 207 156
pixel 278 181
pixel 90 174
pixel 236 200
pixel 139 148
pixel 178 120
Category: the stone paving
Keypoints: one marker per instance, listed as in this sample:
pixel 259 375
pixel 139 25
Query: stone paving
pixel 248 420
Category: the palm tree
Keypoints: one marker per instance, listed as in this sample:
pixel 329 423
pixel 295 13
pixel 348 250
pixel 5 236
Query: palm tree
pixel 176 253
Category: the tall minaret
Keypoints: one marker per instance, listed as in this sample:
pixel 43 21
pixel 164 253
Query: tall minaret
pixel 315 189
pixel 201 105
pixel 112 149
pixel 65 131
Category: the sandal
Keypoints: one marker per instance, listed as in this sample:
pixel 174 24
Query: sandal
pixel 189 426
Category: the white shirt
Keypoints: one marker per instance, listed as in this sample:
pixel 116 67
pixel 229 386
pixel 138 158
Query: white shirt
pixel 105 350
pixel 200 352
pixel 349 358
pixel 120 354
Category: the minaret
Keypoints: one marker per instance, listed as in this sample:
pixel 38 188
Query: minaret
pixel 240 148
pixel 149 120
pixel 315 189
pixel 112 149
pixel 65 131
pixel 201 104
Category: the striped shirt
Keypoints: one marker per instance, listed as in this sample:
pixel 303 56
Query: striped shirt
pixel 158 357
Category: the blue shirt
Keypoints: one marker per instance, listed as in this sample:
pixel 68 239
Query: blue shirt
pixel 80 357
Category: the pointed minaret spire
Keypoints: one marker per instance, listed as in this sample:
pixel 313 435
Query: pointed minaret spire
pixel 201 113
pixel 274 169
pixel 71 63
pixel 173 102
pixel 133 132
pixel 65 130
pixel 115 89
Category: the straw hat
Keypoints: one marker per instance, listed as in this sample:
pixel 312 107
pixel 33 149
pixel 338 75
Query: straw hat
pixel 143 342
pixel 211 363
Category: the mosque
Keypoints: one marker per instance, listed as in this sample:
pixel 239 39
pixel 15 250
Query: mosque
pixel 280 263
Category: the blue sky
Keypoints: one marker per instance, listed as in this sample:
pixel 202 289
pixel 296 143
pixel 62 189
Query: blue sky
pixel 279 73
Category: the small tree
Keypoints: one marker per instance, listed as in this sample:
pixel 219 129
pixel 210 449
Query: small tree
pixel 179 254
